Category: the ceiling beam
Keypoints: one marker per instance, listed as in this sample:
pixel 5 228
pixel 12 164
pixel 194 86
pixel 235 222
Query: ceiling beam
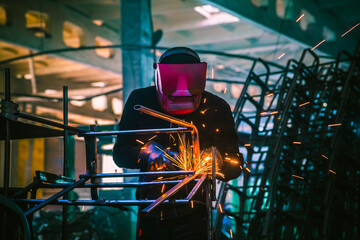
pixel 266 17
pixel 18 34
pixel 211 35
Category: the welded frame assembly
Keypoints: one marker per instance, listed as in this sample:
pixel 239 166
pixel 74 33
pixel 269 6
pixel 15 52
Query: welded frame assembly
pixel 48 180
pixel 298 126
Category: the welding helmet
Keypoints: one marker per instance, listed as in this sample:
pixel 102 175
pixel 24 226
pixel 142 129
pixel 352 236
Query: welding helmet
pixel 180 80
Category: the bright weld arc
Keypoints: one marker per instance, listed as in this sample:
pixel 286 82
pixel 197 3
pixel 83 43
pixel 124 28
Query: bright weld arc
pixel 302 15
pixel 350 29
pixel 318 45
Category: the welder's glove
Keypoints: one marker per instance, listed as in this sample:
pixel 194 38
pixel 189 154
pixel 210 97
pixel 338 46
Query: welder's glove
pixel 152 158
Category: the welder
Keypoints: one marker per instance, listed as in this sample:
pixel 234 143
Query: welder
pixel 179 91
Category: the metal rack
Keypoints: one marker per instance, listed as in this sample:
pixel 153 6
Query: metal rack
pixel 293 134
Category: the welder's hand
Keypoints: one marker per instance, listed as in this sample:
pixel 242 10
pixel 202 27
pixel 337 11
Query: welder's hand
pixel 218 158
pixel 152 156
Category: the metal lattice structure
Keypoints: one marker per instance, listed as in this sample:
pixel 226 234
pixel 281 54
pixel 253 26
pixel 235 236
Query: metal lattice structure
pixel 302 169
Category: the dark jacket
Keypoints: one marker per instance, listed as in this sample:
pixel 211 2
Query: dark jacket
pixel 213 119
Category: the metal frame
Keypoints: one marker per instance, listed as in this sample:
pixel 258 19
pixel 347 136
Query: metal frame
pixel 41 180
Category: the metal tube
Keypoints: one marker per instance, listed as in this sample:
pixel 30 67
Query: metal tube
pixel 196 187
pixel 168 194
pixel 54 197
pixel 7 136
pixel 106 185
pixel 65 157
pixel 50 123
pixel 137 131
pixel 113 203
pixel 194 132
pixel 137 174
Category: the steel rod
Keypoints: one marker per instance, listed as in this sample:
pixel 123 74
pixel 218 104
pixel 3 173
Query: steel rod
pixel 65 157
pixel 110 185
pixel 49 122
pixel 196 187
pixel 54 197
pixel 168 194
pixel 102 203
pixel 137 131
pixel 7 136
pixel 136 174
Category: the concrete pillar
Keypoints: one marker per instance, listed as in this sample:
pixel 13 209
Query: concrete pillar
pixel 136 30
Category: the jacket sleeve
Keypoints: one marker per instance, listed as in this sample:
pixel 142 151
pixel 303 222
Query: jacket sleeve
pixel 126 149
pixel 228 144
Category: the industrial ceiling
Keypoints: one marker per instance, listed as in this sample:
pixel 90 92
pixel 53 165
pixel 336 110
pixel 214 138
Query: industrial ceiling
pixel 274 30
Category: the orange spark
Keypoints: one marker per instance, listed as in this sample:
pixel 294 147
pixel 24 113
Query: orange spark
pixel 203 125
pixel 302 15
pixel 303 104
pixel 143 148
pixel 297 176
pixel 226 154
pixel 281 56
pixel 318 45
pixel 270 94
pixel 225 90
pixel 152 138
pixel 296 142
pixel 350 29
pixel 262 188
pixel 204 111
pixel 274 112
pixel 192 204
pixel 217 130
pixel 231 233
pixel 247 145
pixel 220 208
pixel 334 125
pixel 212 73
pixel 164 195
pixel 248 169
pixel 163 188
pixel 324 156
pixel 204 100
pixel 140 141
pixel 332 171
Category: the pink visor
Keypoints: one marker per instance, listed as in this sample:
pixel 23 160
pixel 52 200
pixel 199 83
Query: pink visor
pixel 177 78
